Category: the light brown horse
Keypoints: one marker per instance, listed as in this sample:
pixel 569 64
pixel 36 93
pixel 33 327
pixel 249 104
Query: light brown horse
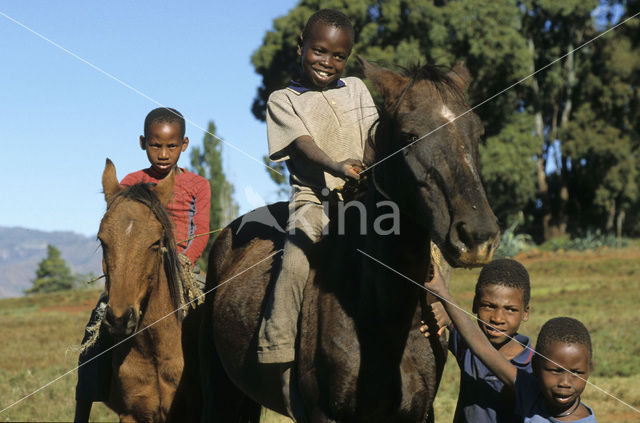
pixel 150 381
pixel 360 356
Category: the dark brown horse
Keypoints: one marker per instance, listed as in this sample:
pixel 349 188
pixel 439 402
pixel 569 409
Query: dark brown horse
pixel 360 355
pixel 150 381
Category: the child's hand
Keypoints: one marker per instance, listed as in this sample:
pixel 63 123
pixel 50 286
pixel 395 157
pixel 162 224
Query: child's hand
pixel 440 316
pixel 349 168
pixel 437 285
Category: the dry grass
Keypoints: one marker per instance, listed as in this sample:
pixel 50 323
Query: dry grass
pixel 601 288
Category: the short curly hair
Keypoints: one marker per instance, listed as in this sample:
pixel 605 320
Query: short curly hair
pixel 505 272
pixel 328 17
pixel 164 114
pixel 563 329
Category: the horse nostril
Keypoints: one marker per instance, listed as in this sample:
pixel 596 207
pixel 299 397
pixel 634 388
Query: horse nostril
pixel 109 318
pixel 131 318
pixel 127 321
pixel 462 235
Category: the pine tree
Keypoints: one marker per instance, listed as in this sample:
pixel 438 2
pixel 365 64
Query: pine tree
pixel 208 164
pixel 52 274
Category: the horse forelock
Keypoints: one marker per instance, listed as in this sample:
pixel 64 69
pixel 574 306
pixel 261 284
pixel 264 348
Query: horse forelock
pixel 438 85
pixel 439 81
pixel 142 193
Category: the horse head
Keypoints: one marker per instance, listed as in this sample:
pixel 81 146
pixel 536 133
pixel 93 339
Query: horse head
pixel 425 158
pixel 135 234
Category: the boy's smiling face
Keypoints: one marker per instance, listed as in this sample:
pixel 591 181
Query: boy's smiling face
pixel 561 388
pixel 503 308
pixel 324 55
pixel 163 145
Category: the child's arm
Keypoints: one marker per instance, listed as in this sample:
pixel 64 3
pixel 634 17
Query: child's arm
pixel 472 334
pixel 304 149
pixel 202 199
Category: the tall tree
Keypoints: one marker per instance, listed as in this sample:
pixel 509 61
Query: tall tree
pixel 603 138
pixel 208 163
pixel 52 274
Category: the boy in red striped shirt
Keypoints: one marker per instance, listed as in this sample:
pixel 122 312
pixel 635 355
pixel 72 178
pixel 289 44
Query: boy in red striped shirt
pixel 163 141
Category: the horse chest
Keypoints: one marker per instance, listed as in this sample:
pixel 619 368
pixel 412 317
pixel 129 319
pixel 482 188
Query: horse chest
pixel 366 378
pixel 147 385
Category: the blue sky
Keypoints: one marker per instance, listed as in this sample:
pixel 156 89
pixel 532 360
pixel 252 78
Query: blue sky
pixel 60 118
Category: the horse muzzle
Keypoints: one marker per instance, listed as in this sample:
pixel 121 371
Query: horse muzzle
pixel 472 248
pixel 120 326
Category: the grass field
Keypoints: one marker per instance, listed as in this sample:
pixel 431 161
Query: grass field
pixel 600 288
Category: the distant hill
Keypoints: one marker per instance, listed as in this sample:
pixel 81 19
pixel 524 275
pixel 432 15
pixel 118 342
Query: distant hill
pixel 21 249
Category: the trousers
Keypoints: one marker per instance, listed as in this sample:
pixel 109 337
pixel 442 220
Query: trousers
pixel 278 329
pixel 94 371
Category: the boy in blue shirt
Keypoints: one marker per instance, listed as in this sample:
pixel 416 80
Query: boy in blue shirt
pixel 561 364
pixel 502 302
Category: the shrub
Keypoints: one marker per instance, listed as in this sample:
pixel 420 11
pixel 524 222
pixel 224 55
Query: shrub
pixel 511 243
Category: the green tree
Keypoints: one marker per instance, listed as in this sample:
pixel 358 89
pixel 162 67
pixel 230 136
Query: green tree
pixel 533 161
pixel 602 140
pixel 52 274
pixel 208 163
pixel 278 173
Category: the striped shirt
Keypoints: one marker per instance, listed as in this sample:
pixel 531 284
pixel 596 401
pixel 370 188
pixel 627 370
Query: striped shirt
pixel 337 119
pixel 188 208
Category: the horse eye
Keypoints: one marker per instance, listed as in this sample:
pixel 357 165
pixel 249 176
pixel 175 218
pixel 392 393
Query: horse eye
pixel 156 244
pixel 408 138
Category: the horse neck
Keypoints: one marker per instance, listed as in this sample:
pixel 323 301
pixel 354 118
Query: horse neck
pixel 390 297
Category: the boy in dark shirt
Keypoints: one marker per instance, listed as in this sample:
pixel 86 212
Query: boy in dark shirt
pixel 561 364
pixel 502 301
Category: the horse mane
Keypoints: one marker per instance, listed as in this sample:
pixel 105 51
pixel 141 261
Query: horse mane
pixel 142 193
pixel 442 84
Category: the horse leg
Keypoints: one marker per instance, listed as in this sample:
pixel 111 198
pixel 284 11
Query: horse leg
pixel 318 416
pixel 249 411
pixel 222 400
pixel 430 417
pixel 187 402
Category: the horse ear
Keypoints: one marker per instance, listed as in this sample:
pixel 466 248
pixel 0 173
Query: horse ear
pixel 388 83
pixel 110 185
pixel 460 76
pixel 164 189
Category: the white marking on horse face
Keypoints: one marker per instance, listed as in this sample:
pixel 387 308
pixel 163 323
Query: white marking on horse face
pixel 446 113
pixel 128 230
pixel 467 160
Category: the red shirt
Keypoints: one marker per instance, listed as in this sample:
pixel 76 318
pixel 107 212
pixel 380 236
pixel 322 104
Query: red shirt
pixel 188 208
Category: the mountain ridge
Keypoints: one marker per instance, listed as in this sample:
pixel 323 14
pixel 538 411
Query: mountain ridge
pixel 21 249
